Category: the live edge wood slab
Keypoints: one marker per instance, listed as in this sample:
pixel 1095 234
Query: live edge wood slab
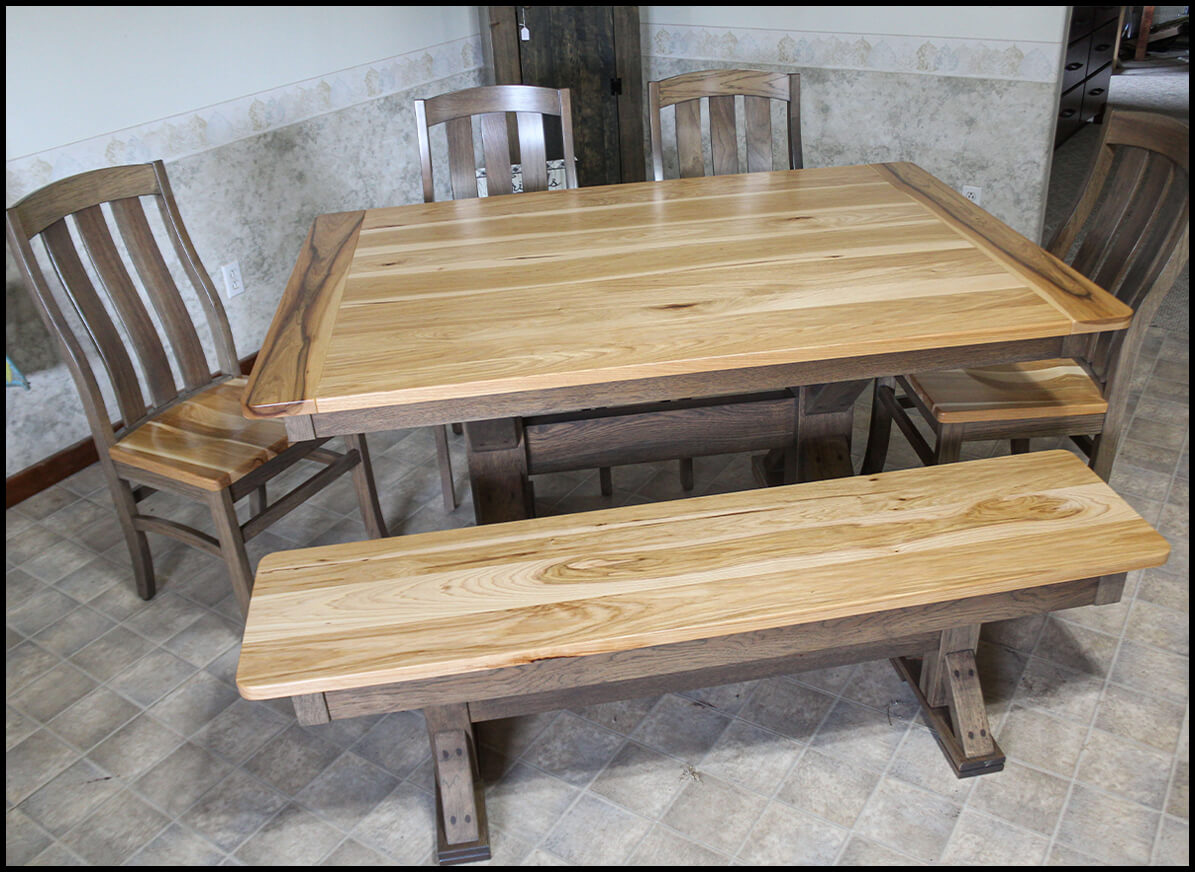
pixel 509 619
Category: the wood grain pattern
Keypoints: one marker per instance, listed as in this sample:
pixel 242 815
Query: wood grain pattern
pixel 1033 389
pixel 485 298
pixel 1093 309
pixel 461 601
pixel 203 440
pixel 287 370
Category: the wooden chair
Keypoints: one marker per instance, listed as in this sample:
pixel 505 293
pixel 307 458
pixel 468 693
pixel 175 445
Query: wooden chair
pixel 492 106
pixel 182 429
pixel 718 90
pixel 1129 234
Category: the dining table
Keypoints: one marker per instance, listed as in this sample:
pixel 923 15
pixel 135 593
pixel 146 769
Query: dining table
pixel 495 311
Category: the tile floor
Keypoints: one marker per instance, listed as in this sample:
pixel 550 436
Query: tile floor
pixel 127 743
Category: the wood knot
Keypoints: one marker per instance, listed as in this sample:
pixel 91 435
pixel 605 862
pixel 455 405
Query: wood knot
pixel 1031 507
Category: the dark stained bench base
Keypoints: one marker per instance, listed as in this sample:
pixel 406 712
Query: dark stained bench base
pixel 932 647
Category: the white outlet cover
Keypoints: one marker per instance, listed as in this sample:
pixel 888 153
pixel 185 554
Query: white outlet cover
pixel 233 284
pixel 974 194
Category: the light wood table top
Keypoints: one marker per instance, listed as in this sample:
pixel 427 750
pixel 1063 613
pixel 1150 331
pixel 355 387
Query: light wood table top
pixel 466 600
pixel 487 306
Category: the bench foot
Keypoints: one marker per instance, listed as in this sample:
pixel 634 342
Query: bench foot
pixel 961 726
pixel 462 833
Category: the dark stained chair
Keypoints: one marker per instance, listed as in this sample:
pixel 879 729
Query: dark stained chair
pixel 717 90
pixel 1129 234
pixel 89 242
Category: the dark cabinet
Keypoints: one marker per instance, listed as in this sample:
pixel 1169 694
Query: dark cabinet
pixel 594 52
pixel 1087 69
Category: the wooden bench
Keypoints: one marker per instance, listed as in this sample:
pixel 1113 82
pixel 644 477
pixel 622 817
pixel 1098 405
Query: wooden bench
pixel 491 622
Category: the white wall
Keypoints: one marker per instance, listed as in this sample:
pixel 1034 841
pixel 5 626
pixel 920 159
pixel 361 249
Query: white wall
pixel 76 72
pixel 1024 23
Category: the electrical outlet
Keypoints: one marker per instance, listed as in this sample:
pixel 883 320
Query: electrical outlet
pixel 974 194
pixel 232 279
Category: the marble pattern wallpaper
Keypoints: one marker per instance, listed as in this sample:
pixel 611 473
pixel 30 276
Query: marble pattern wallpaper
pixel 251 174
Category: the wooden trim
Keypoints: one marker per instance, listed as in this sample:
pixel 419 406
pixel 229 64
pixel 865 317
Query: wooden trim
pixel 1075 296
pixel 296 338
pixel 58 467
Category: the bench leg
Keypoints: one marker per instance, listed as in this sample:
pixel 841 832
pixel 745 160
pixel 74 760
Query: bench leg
pixel 462 834
pixel 946 683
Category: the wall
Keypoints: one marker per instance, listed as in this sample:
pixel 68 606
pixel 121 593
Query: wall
pixel 969 93
pixel 264 120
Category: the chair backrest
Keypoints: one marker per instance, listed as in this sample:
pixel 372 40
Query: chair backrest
pixel 103 257
pixel 719 88
pixel 491 104
pixel 1129 230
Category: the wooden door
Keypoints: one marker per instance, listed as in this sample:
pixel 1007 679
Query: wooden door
pixel 594 52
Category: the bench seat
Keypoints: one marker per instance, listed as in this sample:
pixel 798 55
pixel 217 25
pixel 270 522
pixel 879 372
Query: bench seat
pixel 487 622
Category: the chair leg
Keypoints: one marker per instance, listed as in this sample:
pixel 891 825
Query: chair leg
pixel 367 494
pixel 258 500
pixel 232 546
pixel 686 473
pixel 1103 453
pixel 1019 446
pixel 606 478
pixel 950 444
pixel 143 561
pixel 444 461
pixel 879 432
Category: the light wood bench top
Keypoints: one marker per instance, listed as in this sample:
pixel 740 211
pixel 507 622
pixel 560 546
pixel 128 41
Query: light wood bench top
pixel 459 601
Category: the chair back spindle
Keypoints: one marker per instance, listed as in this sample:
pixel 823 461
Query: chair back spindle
pixel 102 257
pixel 718 90
pixel 490 107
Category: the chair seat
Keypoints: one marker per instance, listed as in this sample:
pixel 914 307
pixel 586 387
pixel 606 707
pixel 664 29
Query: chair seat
pixel 205 440
pixel 1033 389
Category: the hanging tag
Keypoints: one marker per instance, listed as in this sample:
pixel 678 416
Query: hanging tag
pixel 524 34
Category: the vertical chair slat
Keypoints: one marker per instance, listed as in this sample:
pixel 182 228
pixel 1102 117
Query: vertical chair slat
pixel 209 298
pixel 1066 235
pixel 1147 265
pixel 757 116
pixel 724 144
pixel 532 151
pixel 495 144
pixel 462 165
pixel 1169 218
pixel 722 88
pixel 108 342
pixel 688 139
pixel 796 148
pixel 155 275
pixel 1104 219
pixel 425 151
pixel 97 239
pixel 1135 220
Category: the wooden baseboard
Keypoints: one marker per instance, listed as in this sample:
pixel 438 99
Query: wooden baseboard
pixel 44 474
